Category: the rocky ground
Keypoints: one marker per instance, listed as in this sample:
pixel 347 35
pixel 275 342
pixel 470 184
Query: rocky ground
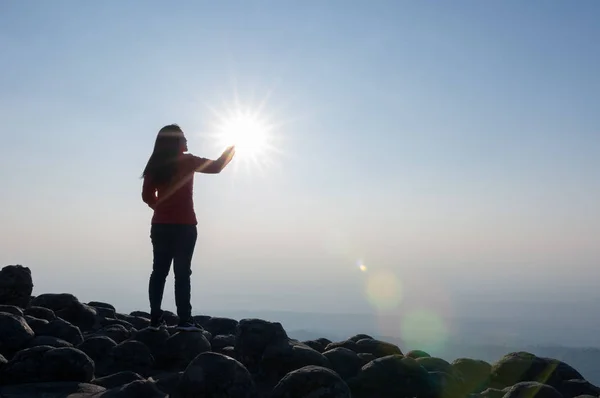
pixel 53 345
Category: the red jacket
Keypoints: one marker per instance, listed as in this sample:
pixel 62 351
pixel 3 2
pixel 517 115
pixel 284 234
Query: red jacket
pixel 173 203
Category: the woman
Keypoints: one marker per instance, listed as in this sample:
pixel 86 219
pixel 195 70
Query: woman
pixel 168 190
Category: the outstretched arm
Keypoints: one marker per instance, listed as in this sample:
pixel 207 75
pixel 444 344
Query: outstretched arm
pixel 207 166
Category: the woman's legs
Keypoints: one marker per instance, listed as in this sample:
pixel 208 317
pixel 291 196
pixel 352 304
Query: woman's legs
pixel 182 267
pixel 164 251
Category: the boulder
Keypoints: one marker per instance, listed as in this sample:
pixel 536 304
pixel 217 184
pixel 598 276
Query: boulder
pixel 316 345
pixel 40 313
pixel 101 305
pixel 181 348
pixel 575 388
pixel 521 366
pixel 357 337
pixel 218 325
pixel 348 344
pixel 61 329
pixel 377 347
pixel 285 356
pixel 132 355
pixel 11 309
pixel 16 286
pixel 25 366
pixel 168 382
pixel 253 336
pixel 366 358
pixel 118 333
pixel 48 341
pixel 137 388
pixel 135 321
pixel 215 375
pixel 417 354
pixel 154 339
pixel 528 389
pixel 311 381
pixel 393 376
pixel 117 379
pixel 67 364
pixel 345 362
pixel 97 347
pixel 222 341
pixel 53 390
pixel 475 374
pixel 69 308
pixel 433 364
pixel 15 333
pixel 141 314
pixel 35 323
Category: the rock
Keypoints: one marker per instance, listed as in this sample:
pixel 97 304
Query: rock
pixel 345 362
pixel 315 345
pixel 69 308
pixel 63 330
pixel 523 366
pixel 105 312
pixel 392 377
pixel 35 323
pixel 446 385
pixel 52 390
pixel 201 319
pixel 348 344
pixel 475 373
pixel 215 375
pixel 104 322
pixel 25 366
pixel 48 341
pixel 432 364
pixel 117 379
pixel 41 313
pixel 417 354
pixel 67 364
pixel 366 358
pixel 377 347
pixel 228 351
pixel 283 357
pixel 118 333
pixel 16 285
pixel 154 339
pixel 492 393
pixel 311 381
pixel 141 314
pixel 101 305
pixel 132 355
pixel 356 338
pixel 253 336
pixel 168 382
pixel 138 388
pixel 528 389
pixel 11 309
pixel 181 348
pixel 134 321
pixel 575 388
pixel 217 326
pixel 3 362
pixel 222 340
pixel 170 318
pixel 15 333
pixel 97 347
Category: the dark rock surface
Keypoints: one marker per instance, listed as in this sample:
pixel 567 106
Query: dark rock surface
pixel 16 285
pixel 53 345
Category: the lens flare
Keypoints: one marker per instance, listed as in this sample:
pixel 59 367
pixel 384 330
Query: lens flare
pixel 423 329
pixel 384 290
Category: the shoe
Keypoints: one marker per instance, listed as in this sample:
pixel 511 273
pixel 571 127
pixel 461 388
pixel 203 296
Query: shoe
pixel 189 326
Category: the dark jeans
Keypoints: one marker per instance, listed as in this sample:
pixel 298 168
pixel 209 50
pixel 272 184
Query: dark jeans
pixel 172 243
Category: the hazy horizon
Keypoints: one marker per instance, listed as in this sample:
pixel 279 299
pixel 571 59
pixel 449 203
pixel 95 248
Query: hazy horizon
pixel 451 149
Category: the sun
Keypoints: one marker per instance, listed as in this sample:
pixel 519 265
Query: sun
pixel 244 129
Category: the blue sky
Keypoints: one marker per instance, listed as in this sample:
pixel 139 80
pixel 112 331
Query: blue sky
pixel 452 146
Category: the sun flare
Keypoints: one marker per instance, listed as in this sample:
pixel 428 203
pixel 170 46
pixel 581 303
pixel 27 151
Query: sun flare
pixel 246 130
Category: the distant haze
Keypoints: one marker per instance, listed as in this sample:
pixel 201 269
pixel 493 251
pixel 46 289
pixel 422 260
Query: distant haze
pixel 452 149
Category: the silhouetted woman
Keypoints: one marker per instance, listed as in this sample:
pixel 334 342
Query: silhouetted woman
pixel 167 189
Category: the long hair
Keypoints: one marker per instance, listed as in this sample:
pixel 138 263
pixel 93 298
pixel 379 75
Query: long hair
pixel 169 143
